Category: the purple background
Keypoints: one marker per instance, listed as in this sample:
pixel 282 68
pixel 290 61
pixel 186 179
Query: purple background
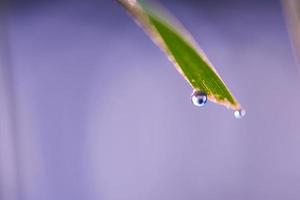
pixel 91 109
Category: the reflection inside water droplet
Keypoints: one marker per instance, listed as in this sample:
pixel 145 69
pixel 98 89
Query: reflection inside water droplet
pixel 199 98
pixel 239 113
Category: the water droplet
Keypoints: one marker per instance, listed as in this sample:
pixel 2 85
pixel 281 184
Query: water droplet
pixel 199 98
pixel 239 113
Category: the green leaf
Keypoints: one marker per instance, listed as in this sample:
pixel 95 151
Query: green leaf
pixel 179 46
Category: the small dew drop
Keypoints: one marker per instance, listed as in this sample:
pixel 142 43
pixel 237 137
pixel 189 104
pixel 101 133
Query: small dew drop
pixel 199 98
pixel 239 113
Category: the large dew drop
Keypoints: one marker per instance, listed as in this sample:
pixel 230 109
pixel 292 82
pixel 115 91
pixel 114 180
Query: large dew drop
pixel 239 113
pixel 199 98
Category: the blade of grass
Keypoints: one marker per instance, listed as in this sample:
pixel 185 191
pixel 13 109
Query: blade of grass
pixel 179 46
pixel 292 14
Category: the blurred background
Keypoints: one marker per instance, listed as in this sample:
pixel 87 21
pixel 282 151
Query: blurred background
pixel 91 109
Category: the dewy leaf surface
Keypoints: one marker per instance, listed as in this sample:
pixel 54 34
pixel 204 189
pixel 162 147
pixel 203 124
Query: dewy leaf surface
pixel 180 48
